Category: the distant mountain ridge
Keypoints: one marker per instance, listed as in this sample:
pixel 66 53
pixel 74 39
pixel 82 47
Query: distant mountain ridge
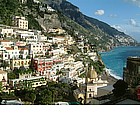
pixel 91 24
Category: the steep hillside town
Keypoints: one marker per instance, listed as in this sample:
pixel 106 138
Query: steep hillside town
pixel 30 59
pixel 53 65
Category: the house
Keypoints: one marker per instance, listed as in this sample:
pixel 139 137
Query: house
pixel 26 35
pixel 13 52
pixel 56 39
pixel 7 32
pixel 58 51
pixel 6 43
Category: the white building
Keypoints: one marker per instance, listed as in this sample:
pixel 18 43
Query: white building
pixel 58 51
pixel 6 43
pixel 25 34
pixel 13 52
pixel 36 49
pixel 7 32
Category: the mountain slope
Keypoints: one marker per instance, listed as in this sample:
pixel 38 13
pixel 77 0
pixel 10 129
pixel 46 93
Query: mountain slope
pixel 66 16
pixel 102 30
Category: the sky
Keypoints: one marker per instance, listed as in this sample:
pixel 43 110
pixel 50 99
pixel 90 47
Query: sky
pixel 123 15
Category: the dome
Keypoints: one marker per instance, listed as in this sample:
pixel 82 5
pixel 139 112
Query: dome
pixel 92 74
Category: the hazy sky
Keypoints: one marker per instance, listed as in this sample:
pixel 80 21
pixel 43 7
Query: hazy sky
pixel 121 14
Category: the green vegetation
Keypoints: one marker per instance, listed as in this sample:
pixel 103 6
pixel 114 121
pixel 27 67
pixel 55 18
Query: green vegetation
pixel 15 73
pixel 8 9
pixel 46 95
pixel 33 23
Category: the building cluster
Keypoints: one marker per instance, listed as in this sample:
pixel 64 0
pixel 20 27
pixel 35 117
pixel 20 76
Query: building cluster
pixel 49 56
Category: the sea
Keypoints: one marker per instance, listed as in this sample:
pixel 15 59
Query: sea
pixel 116 59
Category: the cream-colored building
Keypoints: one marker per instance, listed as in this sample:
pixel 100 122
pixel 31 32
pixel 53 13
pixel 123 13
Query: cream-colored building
pixel 32 82
pixel 7 32
pixel 21 22
pixel 17 63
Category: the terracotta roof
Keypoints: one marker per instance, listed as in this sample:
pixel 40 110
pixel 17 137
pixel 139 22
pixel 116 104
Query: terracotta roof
pixel 4 41
pixel 23 48
pixel 8 48
pixel 2 72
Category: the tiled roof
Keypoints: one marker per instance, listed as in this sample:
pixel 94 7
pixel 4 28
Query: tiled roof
pixel 23 48
pixel 2 72
pixel 4 41
pixel 8 48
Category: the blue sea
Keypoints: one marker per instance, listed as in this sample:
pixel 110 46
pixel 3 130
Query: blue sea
pixel 116 59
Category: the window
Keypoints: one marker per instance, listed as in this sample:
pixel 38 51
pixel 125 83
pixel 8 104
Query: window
pixel 90 95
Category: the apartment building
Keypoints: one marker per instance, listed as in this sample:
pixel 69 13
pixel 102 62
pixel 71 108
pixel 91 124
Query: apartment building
pixel 17 63
pixel 21 22
pixel 44 65
pixel 36 49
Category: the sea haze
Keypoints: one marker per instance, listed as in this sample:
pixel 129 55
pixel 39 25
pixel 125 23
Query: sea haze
pixel 116 59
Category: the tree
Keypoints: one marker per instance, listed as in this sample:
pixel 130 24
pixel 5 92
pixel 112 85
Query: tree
pixel 11 75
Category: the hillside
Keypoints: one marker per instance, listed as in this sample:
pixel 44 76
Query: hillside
pixel 103 32
pixel 66 16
